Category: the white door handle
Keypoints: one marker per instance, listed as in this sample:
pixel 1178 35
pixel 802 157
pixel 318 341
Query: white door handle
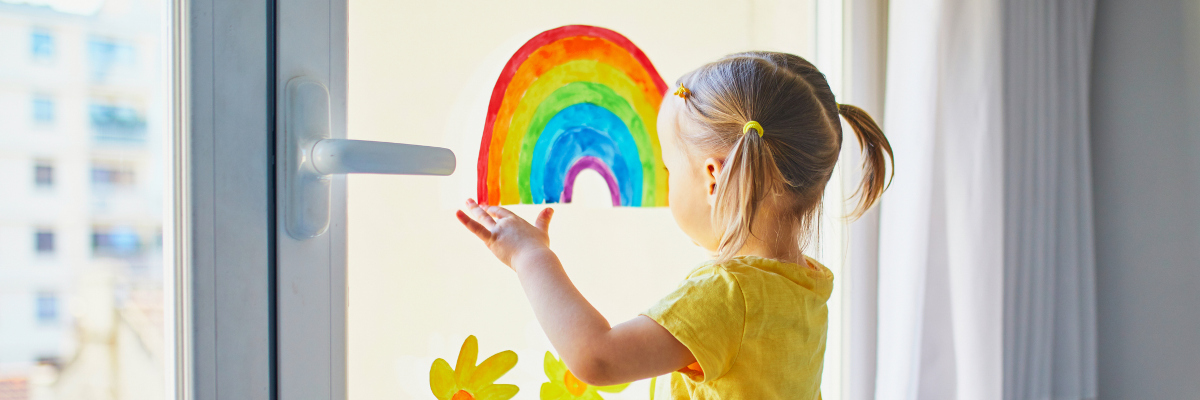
pixel 310 156
pixel 343 156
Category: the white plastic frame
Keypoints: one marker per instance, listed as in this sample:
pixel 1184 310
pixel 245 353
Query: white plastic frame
pixel 310 41
pixel 311 157
pixel 223 234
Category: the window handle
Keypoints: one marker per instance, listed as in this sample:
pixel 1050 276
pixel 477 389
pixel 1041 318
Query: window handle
pixel 343 156
pixel 310 156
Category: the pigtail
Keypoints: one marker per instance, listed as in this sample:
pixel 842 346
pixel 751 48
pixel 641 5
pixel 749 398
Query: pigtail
pixel 773 118
pixel 874 146
pixel 746 178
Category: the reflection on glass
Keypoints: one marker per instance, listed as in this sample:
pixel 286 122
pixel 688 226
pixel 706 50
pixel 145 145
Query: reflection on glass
pixel 82 127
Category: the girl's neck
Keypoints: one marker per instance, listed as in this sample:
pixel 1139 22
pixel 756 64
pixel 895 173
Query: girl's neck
pixel 778 251
pixel 770 240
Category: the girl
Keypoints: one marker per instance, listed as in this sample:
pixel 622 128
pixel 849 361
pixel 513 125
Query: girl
pixel 750 141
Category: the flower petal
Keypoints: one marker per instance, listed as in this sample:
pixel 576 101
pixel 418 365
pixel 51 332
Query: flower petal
pixel 466 359
pixel 492 368
pixel 552 391
pixel 612 388
pixel 591 394
pixel 441 380
pixel 554 368
pixel 496 392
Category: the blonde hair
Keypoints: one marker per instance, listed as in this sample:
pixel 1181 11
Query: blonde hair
pixel 795 155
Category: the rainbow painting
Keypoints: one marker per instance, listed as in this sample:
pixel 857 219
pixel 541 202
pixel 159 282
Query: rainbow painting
pixel 573 98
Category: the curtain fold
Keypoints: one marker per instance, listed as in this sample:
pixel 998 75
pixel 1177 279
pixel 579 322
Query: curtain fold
pixel 941 231
pixel 1049 279
pixel 986 266
pixel 866 41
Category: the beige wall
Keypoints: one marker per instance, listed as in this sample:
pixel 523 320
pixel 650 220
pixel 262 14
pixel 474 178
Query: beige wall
pixel 420 283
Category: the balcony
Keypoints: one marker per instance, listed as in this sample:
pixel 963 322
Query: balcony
pixel 117 124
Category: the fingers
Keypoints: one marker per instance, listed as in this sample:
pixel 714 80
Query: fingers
pixel 479 214
pixel 543 219
pixel 500 212
pixel 475 227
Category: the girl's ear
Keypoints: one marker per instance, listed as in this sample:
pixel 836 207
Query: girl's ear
pixel 712 170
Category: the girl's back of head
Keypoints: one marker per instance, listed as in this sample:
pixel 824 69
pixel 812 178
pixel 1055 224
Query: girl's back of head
pixel 792 159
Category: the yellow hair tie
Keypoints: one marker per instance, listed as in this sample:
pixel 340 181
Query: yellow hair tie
pixel 752 125
pixel 682 92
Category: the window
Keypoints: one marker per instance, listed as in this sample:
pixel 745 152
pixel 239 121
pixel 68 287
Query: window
pixel 41 44
pixel 107 55
pixel 47 307
pixel 623 259
pixel 115 242
pixel 43 174
pixel 112 174
pixel 85 85
pixel 49 360
pixel 43 110
pixel 44 241
pixel 116 123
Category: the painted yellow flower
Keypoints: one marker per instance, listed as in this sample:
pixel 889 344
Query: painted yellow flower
pixel 565 386
pixel 470 382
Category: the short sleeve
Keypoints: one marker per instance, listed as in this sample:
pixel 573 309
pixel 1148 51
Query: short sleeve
pixel 707 313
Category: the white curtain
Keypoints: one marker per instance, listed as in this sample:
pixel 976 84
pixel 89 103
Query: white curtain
pixel 866 58
pixel 1049 279
pixel 941 226
pixel 981 257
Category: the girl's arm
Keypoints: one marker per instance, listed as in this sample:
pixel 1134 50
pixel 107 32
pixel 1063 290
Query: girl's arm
pixel 596 353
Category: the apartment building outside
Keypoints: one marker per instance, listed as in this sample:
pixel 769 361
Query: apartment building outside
pixel 82 122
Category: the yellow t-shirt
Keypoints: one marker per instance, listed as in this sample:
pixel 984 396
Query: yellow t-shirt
pixel 755 325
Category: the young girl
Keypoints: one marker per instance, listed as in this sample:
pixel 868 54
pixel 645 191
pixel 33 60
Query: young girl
pixel 750 141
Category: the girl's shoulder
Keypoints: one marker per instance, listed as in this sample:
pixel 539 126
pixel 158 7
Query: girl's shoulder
pixel 751 271
pixel 759 265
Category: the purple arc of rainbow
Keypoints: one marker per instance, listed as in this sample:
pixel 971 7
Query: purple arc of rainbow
pixel 594 164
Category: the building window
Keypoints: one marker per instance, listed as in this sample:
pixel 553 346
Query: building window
pixel 43 174
pixel 115 242
pixel 107 55
pixel 43 110
pixel 47 307
pixel 113 123
pixel 53 361
pixel 112 174
pixel 41 44
pixel 44 241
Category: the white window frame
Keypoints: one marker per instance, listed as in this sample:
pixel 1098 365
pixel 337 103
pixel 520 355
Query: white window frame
pixel 220 231
pixel 311 314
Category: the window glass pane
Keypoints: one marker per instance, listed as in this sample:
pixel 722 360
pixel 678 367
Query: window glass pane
pixel 43 110
pixel 107 55
pixel 47 307
pixel 112 174
pixel 83 120
pixel 44 240
pixel 43 174
pixel 41 44
pixel 419 284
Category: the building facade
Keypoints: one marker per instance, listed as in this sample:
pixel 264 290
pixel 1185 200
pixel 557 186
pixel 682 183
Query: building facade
pixel 82 123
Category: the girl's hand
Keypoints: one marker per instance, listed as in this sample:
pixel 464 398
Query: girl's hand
pixel 505 234
pixel 596 352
